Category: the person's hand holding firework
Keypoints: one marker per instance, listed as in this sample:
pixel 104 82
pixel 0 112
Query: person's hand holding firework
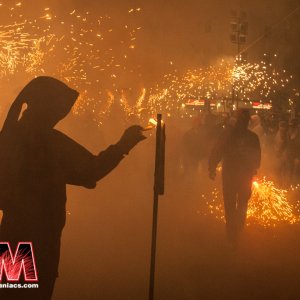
pixel 130 138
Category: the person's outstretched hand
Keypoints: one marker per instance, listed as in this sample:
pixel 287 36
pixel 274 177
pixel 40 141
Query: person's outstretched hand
pixel 130 138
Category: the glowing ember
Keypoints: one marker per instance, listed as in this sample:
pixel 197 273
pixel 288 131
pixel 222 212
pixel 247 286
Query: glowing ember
pixel 153 122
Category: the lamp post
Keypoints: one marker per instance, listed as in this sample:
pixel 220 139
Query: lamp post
pixel 238 36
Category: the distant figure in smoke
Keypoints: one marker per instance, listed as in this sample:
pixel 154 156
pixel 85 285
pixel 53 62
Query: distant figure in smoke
pixel 239 149
pixel 37 162
pixel 197 143
pixel 257 128
pixel 281 142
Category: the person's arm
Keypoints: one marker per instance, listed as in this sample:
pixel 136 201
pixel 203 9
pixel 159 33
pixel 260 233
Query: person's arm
pixel 106 161
pixel 84 169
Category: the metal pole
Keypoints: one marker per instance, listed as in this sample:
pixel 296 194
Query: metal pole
pixel 158 190
pixel 153 246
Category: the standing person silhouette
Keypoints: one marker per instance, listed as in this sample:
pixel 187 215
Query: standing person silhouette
pixel 239 149
pixel 37 162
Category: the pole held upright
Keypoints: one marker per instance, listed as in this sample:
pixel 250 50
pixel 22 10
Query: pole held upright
pixel 158 189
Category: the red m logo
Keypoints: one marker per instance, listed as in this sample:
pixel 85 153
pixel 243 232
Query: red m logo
pixel 22 260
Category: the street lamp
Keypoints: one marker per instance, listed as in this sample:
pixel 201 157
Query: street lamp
pixel 238 36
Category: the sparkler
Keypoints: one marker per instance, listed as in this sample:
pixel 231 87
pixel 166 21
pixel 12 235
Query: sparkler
pixel 269 206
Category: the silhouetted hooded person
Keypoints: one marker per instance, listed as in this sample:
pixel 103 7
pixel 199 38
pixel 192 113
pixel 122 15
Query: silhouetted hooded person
pixel 37 161
pixel 197 142
pixel 239 150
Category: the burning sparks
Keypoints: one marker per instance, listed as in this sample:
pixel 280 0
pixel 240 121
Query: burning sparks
pixel 94 55
pixel 269 206
pixel 88 51
pixel 20 51
pixel 216 82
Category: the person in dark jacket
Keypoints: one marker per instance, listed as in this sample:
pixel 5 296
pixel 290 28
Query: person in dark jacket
pixel 37 162
pixel 239 150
